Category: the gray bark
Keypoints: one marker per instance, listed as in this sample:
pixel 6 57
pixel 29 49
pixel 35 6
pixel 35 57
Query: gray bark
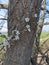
pixel 20 50
pixel 38 33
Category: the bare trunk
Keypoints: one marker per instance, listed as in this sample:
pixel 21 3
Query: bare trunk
pixel 36 49
pixel 20 50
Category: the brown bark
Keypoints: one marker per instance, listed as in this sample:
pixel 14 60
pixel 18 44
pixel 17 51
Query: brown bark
pixel 40 25
pixel 38 32
pixel 20 51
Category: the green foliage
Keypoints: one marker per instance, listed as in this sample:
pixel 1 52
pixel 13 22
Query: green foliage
pixel 44 38
pixel 3 37
pixel 1 40
pixel 44 35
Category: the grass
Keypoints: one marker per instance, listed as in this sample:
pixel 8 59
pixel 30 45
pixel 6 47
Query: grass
pixel 45 45
pixel 44 35
pixel 1 40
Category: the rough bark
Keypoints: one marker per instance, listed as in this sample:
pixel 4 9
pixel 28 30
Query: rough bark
pixel 40 25
pixel 20 50
pixel 36 47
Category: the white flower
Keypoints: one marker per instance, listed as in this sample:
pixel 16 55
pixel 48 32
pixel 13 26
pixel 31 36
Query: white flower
pixel 17 32
pixel 35 15
pixel 27 19
pixel 17 37
pixel 28 28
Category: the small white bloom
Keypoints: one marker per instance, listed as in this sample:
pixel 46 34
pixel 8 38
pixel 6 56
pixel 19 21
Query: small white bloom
pixel 17 32
pixel 27 19
pixel 28 28
pixel 17 37
pixel 35 15
pixel 42 6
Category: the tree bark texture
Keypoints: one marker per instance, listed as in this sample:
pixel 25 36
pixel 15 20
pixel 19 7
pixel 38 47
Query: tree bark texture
pixel 38 33
pixel 20 50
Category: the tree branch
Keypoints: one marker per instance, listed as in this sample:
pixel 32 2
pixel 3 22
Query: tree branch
pixel 3 19
pixel 3 6
pixel 47 23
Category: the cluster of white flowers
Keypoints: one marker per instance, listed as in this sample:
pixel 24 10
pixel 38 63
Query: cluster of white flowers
pixel 17 35
pixel 28 28
pixel 27 25
pixel 7 39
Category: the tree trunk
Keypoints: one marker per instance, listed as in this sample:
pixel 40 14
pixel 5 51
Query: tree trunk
pixel 40 25
pixel 20 50
pixel 38 33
